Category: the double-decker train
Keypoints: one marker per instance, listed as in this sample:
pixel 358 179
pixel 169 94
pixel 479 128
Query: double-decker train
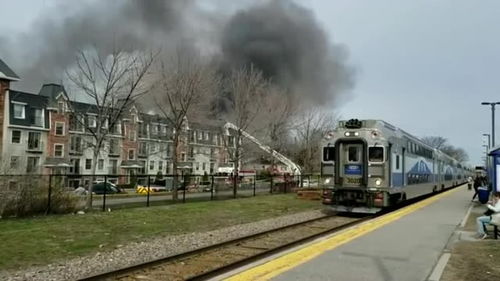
pixel 368 165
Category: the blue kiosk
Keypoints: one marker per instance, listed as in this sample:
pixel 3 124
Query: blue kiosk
pixel 493 168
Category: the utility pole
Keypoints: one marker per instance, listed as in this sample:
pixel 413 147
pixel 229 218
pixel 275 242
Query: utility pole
pixel 492 104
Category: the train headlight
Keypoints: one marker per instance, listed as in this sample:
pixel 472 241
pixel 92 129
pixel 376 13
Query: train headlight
pixel 356 134
pixel 375 134
pixel 347 134
pixel 378 182
pixel 328 180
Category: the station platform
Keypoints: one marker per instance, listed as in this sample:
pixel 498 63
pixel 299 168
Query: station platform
pixel 404 245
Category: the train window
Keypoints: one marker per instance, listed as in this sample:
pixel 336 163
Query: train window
pixel 353 154
pixel 329 153
pixel 397 162
pixel 376 154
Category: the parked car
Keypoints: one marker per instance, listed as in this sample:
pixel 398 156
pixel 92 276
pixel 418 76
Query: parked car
pixel 98 188
pixel 205 186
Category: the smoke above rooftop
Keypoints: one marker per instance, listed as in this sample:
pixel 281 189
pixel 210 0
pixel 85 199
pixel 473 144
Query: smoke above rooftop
pixel 281 38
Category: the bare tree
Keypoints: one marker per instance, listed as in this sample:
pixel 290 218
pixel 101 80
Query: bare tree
pixel 245 89
pixel 185 89
pixel 435 141
pixel 310 127
pixel 442 144
pixel 275 120
pixel 111 83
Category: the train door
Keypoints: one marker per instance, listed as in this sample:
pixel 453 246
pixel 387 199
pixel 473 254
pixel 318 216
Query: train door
pixel 403 154
pixel 352 156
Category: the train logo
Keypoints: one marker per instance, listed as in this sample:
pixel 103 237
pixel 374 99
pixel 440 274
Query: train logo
pixel 353 170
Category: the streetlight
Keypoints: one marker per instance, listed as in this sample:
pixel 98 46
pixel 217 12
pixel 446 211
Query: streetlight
pixel 492 120
pixel 489 144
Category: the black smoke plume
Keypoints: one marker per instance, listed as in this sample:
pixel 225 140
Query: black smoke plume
pixel 279 37
pixel 287 44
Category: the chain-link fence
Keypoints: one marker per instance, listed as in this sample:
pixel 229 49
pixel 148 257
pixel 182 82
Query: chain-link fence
pixel 22 195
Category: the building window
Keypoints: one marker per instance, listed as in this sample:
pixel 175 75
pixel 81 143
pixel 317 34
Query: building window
pixel 143 148
pixel 113 146
pixel 153 148
pixel 113 166
pixel 92 121
pixel 16 136
pixel 200 135
pixel 59 128
pixel 14 162
pixel 197 166
pixel 58 150
pixel 61 107
pixel 32 166
pixel 151 165
pixel 160 165
pixel 38 117
pixel 75 123
pixel 100 164
pixel 19 111
pixel 34 142
pixel 75 166
pixel 183 156
pixel 131 155
pixel 167 166
pixel 143 168
pixel 88 164
pixel 206 136
pixel 75 144
pixel 131 135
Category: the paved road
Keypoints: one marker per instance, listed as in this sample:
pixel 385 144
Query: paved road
pixel 110 201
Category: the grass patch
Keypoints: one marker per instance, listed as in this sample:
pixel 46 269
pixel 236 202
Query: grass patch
pixel 35 241
pixel 474 261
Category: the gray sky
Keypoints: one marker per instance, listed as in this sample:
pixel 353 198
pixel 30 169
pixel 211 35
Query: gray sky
pixel 424 66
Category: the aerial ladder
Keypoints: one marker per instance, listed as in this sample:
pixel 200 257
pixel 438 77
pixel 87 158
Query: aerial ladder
pixel 292 167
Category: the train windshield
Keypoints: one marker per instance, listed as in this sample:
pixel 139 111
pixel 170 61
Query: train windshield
pixel 376 154
pixel 329 153
pixel 353 154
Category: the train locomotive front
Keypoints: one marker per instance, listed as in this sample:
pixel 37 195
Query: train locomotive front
pixel 356 159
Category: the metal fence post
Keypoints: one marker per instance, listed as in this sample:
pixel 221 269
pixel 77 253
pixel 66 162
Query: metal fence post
pixel 319 181
pixel 105 190
pixel 149 188
pixel 271 189
pixel 184 190
pixel 212 189
pixel 254 183
pixel 285 185
pixel 50 194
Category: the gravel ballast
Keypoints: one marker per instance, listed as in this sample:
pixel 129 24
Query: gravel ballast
pixel 134 253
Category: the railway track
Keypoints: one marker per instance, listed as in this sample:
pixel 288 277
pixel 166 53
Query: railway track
pixel 214 260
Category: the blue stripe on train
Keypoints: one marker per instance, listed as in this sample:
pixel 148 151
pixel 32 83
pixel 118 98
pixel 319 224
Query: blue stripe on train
pixel 397 179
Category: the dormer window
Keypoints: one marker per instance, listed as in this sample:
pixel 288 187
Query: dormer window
pixel 60 107
pixel 19 111
pixel 38 118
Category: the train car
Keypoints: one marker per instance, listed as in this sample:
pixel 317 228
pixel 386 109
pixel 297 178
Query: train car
pixel 368 165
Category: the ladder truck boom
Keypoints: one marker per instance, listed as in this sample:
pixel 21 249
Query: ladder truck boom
pixel 294 168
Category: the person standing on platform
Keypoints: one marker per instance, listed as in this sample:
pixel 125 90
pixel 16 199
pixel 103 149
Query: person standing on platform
pixel 493 207
pixel 470 181
pixel 478 181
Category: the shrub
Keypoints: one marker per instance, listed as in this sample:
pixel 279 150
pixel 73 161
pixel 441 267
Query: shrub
pixel 30 197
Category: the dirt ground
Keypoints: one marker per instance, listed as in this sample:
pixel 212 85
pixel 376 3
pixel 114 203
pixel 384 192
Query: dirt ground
pixel 473 260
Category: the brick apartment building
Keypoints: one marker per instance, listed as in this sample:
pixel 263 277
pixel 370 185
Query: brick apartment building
pixel 41 135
